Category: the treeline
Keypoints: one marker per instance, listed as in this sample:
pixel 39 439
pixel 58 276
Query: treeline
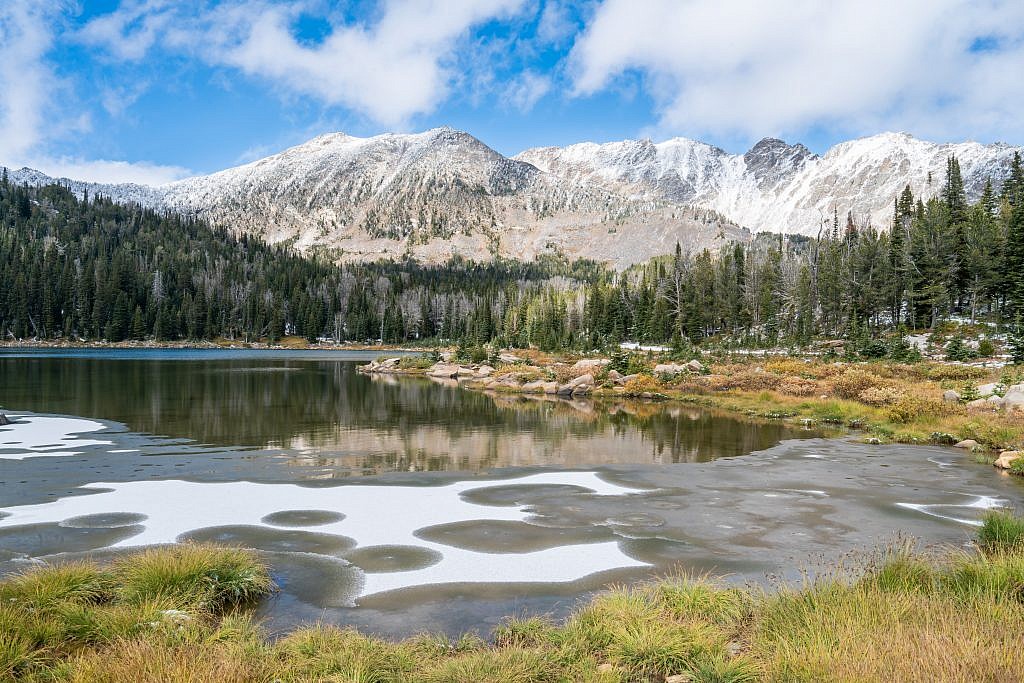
pixel 941 258
pixel 93 269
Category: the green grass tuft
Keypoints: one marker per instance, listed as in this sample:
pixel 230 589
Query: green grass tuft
pixel 1001 531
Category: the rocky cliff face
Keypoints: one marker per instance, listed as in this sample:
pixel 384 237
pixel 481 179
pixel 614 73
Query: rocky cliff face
pixel 442 192
pixel 778 187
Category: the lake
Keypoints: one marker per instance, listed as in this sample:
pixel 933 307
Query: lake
pixel 401 505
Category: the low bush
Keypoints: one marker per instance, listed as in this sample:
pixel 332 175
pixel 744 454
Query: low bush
pixel 644 384
pixel 910 408
pixel 798 386
pixel 853 381
pixel 880 396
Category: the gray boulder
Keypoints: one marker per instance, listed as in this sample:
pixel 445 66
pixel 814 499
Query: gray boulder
pixel 3 420
pixel 950 396
pixel 448 370
pixel 1014 401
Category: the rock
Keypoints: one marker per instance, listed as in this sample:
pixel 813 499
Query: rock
pixel 509 358
pixel 443 370
pixel 391 361
pixel 1014 400
pixel 590 364
pixel 833 343
pixel 447 356
pixel 550 388
pixel 614 375
pixel 570 387
pixel 626 378
pixel 995 401
pixel 3 420
pixel 669 369
pixel 678 678
pixel 967 443
pixel 582 390
pixel 695 366
pixel 1006 459
pixel 979 403
pixel 534 387
pixel 465 372
pixel 950 396
pixel 484 371
pixel 986 390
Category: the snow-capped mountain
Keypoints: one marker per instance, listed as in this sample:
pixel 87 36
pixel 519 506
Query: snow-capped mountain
pixel 442 192
pixel 775 186
pixel 427 195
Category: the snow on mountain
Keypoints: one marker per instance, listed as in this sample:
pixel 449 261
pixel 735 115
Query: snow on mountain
pixel 775 186
pixel 441 192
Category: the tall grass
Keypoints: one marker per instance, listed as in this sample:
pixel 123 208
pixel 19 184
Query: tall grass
pixel 161 616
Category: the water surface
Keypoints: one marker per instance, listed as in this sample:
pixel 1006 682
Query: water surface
pixel 403 504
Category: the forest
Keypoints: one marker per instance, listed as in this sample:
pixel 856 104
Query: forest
pixel 87 268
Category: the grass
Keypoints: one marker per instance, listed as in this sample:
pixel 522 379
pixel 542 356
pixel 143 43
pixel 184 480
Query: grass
pixel 177 615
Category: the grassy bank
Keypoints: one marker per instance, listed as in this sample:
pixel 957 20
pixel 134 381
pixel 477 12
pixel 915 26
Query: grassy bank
pixel 889 402
pixel 178 614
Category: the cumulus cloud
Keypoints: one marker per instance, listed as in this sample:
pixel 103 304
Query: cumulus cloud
pixel 396 65
pixel 26 82
pixel 749 68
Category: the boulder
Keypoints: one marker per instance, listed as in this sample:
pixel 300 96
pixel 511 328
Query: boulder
pixel 669 369
pixel 995 401
pixel 465 372
pixel 614 375
pixel 582 390
pixel 695 366
pixel 1006 459
pixel 448 370
pixel 626 378
pixel 391 361
pixel 551 388
pixel 3 420
pixel 534 387
pixel 950 396
pixel 590 364
pixel 967 443
pixel 509 358
pixel 979 403
pixel 484 371
pixel 572 385
pixel 1014 401
pixel 986 390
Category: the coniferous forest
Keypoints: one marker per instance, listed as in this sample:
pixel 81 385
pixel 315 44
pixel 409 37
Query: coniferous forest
pixel 89 269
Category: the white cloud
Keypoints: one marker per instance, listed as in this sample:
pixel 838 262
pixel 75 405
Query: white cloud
pixel 389 69
pixel 752 68
pixel 108 171
pixel 525 90
pixel 26 83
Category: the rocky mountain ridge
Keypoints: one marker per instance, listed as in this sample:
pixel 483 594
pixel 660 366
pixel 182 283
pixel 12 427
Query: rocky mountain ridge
pixel 442 192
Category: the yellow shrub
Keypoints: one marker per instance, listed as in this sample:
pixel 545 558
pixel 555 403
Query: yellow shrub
pixel 880 396
pixel 853 381
pixel 798 386
pixel 910 408
pixel 643 384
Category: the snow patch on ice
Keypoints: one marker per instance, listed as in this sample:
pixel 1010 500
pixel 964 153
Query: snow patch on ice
pixel 30 436
pixel 374 515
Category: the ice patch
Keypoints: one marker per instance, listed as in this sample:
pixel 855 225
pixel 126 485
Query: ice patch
pixel 937 509
pixel 374 516
pixel 38 435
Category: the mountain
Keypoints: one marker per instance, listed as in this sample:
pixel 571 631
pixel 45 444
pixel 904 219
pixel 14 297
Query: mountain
pixel 428 196
pixel 442 192
pixel 775 186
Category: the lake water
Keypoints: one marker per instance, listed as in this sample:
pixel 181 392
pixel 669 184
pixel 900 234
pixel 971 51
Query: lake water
pixel 402 504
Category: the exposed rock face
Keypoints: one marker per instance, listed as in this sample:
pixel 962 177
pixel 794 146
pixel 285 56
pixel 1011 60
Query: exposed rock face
pixel 778 187
pixel 1006 458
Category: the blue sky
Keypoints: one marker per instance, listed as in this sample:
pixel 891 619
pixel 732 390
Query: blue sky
pixel 152 90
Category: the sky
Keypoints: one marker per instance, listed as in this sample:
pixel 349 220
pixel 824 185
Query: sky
pixel 155 90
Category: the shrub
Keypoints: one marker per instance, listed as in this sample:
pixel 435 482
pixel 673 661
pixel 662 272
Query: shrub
pixel 853 381
pixel 880 396
pixel 644 384
pixel 957 350
pixel 415 362
pixel 910 408
pixel 798 386
pixel 986 349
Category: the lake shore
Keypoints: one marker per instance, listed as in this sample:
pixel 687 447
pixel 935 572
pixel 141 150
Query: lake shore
pixel 183 613
pixel 929 402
